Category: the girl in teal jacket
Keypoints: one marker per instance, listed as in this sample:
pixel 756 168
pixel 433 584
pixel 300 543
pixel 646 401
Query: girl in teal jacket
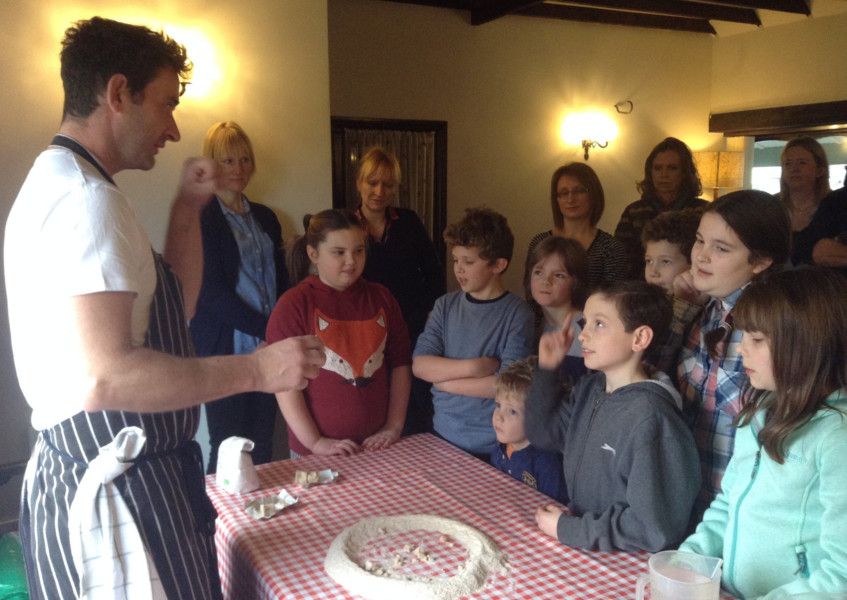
pixel 780 520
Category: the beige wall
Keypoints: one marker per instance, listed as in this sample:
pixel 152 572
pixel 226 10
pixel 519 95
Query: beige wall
pixel 274 81
pixel 504 87
pixel 796 63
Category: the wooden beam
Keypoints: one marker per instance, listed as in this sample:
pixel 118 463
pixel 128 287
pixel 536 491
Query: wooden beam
pixel 780 119
pixel 611 17
pixel 496 9
pixel 452 4
pixel 800 7
pixel 676 8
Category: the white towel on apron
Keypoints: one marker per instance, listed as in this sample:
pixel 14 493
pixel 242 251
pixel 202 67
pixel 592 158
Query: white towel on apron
pixel 106 546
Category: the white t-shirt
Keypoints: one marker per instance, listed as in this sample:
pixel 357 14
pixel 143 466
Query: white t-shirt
pixel 70 232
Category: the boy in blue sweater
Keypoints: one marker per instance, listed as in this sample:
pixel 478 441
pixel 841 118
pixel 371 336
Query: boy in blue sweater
pixel 472 333
pixel 514 454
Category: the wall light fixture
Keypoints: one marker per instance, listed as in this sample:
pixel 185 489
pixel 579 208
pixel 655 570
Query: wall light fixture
pixel 588 130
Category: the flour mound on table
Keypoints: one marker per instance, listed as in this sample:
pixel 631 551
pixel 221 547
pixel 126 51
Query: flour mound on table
pixel 413 557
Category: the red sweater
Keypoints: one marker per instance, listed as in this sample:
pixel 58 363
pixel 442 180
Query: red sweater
pixel 365 337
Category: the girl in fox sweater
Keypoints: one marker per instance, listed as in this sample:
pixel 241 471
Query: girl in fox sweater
pixel 359 399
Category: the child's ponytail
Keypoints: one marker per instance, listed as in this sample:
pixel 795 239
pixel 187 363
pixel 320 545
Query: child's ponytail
pixel 316 227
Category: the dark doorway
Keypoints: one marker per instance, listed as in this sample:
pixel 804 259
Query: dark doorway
pixel 421 148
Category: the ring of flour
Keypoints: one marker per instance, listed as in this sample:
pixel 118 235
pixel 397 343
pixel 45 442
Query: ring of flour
pixel 483 558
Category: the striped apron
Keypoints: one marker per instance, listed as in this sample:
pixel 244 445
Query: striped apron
pixel 164 489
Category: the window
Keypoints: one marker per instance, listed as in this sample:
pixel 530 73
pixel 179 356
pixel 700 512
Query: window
pixel 767 169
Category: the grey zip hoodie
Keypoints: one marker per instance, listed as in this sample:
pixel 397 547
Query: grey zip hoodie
pixel 630 463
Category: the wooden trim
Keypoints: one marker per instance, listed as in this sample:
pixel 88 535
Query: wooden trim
pixel 782 119
pixel 494 10
pixel 800 7
pixel 678 8
pixel 612 17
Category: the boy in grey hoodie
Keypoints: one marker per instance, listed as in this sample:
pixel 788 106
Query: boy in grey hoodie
pixel 630 463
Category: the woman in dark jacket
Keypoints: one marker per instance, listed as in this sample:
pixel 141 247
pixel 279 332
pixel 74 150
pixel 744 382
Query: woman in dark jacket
pixel 671 182
pixel 243 276
pixel 402 257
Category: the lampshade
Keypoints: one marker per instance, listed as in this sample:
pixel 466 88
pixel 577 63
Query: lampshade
pixel 720 169
pixel 730 170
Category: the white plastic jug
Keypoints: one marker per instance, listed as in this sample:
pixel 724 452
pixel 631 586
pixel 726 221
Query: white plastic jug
pixel 236 473
pixel 676 575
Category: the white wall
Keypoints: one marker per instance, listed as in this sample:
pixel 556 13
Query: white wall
pixel 274 81
pixel 796 63
pixel 504 87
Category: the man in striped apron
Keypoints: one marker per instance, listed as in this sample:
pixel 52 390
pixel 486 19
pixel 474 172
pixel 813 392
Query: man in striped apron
pixel 113 504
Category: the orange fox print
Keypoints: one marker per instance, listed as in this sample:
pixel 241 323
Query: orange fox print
pixel 354 349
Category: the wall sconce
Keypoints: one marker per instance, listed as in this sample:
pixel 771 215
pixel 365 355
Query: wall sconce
pixel 588 144
pixel 720 170
pixel 588 130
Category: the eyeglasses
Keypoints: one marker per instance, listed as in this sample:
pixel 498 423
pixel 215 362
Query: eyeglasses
pixel 566 193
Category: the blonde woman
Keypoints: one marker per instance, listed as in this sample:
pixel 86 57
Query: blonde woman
pixel 402 257
pixel 804 190
pixel 243 276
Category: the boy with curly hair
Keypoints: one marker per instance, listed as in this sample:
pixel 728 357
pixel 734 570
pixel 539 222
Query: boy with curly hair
pixel 472 333
pixel 667 241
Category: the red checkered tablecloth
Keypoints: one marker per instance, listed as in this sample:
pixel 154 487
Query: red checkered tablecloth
pixel 283 557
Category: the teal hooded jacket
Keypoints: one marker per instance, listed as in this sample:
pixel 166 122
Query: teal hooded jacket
pixel 781 529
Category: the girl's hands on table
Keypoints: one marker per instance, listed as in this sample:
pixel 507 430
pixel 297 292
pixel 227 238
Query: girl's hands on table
pixel 328 446
pixel 381 439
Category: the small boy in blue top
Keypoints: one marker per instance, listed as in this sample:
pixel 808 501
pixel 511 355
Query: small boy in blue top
pixel 514 454
pixel 472 333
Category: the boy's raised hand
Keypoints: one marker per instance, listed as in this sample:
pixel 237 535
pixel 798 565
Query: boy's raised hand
pixel 554 346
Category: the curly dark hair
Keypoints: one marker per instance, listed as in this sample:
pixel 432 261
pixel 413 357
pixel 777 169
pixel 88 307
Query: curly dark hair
pixel 677 227
pixel 691 186
pixel 95 50
pixel 483 229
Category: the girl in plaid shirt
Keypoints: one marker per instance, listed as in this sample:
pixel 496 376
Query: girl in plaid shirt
pixel 741 236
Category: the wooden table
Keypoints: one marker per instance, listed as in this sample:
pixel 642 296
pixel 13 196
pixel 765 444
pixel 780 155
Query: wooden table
pixel 283 557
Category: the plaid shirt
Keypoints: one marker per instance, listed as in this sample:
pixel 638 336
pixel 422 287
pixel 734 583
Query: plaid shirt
pixel 712 387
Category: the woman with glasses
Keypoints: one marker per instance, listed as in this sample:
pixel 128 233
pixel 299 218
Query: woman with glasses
pixel 671 182
pixel 577 201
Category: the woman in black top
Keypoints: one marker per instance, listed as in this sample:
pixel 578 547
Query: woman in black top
pixel 402 257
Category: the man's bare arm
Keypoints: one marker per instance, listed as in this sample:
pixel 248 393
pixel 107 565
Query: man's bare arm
pixel 120 376
pixel 184 243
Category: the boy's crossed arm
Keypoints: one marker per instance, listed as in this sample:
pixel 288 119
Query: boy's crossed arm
pixel 473 377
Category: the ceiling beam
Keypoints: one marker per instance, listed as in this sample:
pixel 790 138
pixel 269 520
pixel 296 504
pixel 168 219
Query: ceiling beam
pixel 433 3
pixel 676 8
pixel 611 17
pixel 800 7
pixel 496 9
pixel 780 119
